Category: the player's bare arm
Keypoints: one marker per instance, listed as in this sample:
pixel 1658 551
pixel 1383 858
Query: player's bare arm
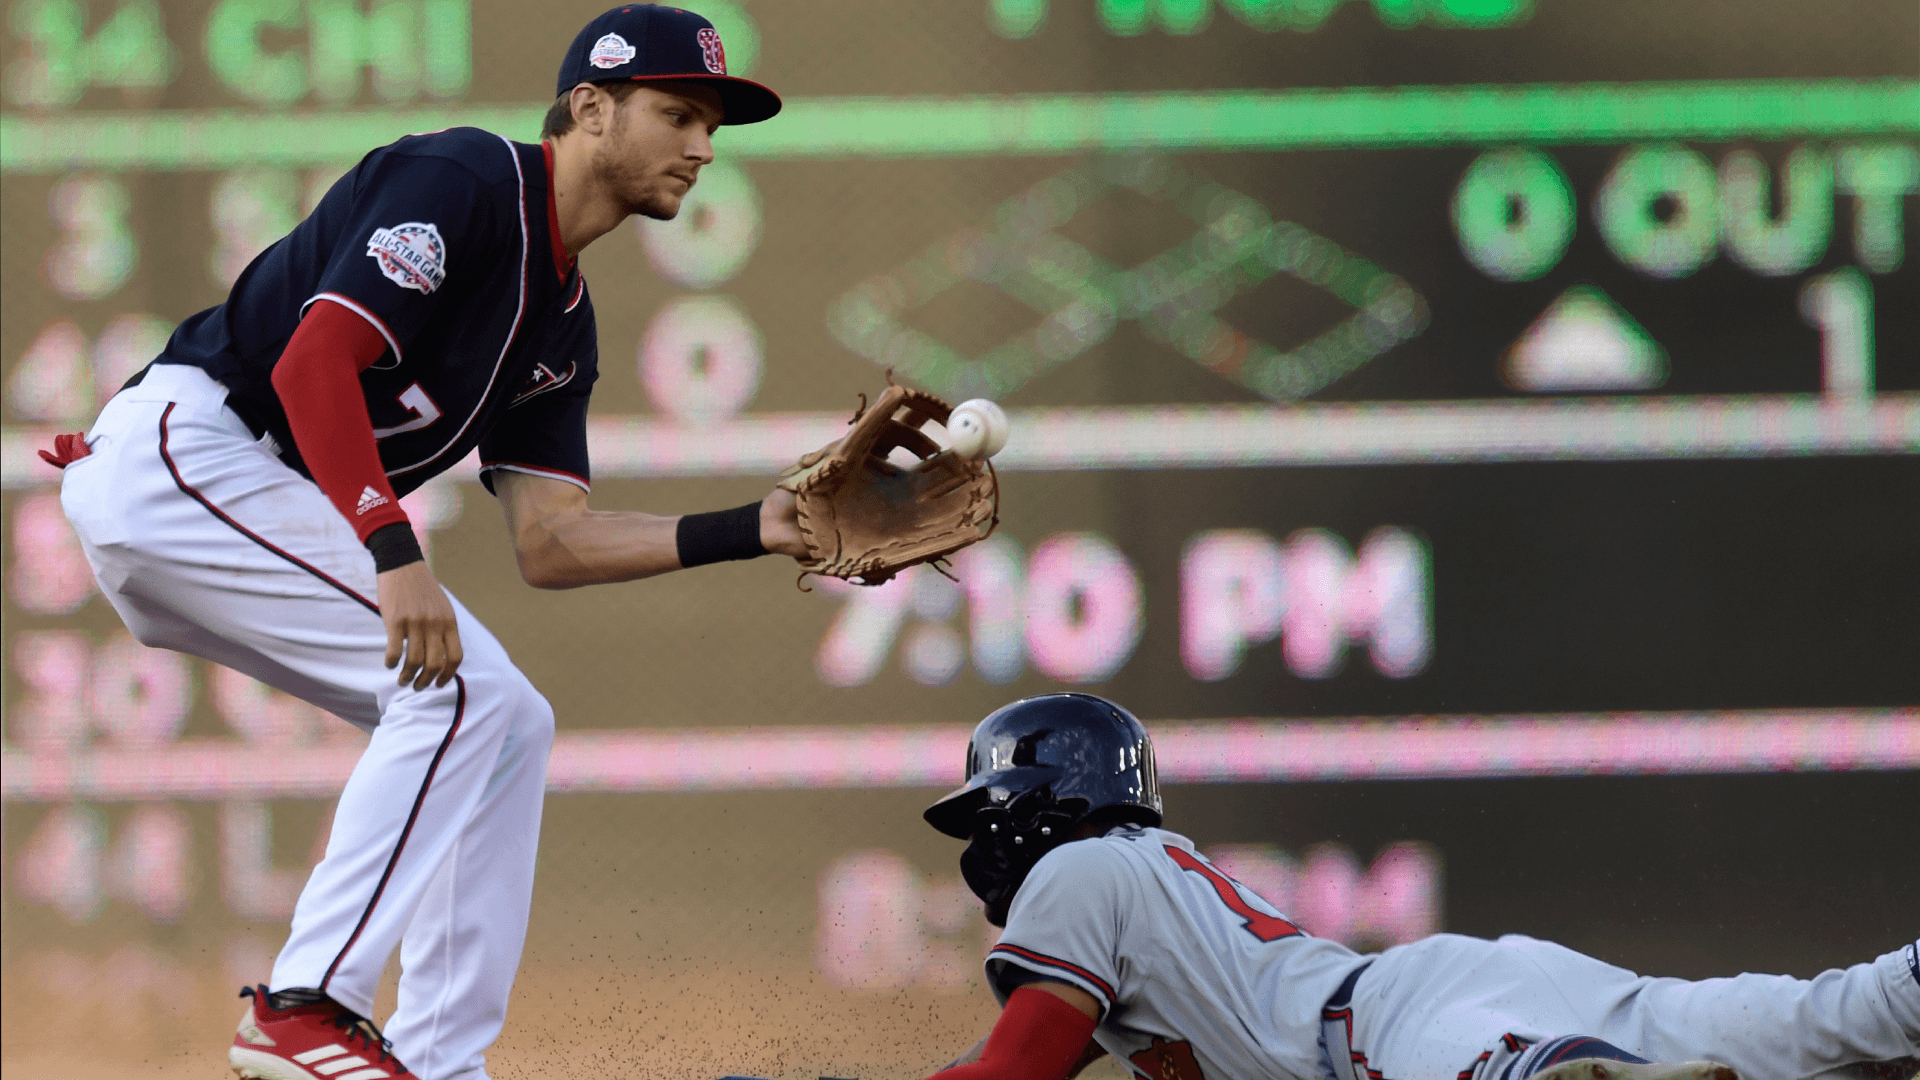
pixel 631 150
pixel 562 543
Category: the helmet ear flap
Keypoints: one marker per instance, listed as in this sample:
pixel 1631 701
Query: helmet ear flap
pixel 1010 837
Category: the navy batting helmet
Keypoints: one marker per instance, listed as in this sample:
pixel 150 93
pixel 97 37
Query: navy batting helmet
pixel 1035 770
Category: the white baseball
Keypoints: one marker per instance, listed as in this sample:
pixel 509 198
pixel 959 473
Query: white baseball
pixel 978 428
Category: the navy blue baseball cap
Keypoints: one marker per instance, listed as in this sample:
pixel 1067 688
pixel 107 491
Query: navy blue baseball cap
pixel 650 42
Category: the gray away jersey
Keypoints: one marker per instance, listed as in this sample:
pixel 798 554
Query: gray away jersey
pixel 1197 977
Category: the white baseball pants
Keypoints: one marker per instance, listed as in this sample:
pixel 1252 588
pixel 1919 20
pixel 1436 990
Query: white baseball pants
pixel 208 544
pixel 1459 1008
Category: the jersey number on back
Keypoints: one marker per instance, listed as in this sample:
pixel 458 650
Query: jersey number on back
pixel 1260 924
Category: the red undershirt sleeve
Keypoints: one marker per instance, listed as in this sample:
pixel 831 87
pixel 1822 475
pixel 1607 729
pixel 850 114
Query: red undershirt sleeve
pixel 318 380
pixel 1038 1037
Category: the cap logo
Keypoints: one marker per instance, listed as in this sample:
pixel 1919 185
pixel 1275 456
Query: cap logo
pixel 712 52
pixel 611 51
pixel 411 255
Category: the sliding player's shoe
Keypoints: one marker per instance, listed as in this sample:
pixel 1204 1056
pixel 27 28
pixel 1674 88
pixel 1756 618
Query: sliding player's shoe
pixel 305 1035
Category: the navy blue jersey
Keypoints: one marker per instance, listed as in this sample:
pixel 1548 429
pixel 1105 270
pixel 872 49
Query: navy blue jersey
pixel 442 243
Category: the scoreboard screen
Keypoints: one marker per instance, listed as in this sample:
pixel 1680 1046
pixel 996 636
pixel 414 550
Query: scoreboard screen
pixel 1495 393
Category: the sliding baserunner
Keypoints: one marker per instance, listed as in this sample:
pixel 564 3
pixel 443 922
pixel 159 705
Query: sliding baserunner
pixel 1122 939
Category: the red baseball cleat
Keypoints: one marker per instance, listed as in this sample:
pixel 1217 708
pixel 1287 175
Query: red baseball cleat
pixel 305 1035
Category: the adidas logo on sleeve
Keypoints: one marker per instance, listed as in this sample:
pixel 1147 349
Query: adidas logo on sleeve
pixel 370 499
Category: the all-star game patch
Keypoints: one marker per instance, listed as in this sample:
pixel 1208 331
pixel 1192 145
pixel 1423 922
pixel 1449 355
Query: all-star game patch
pixel 412 255
pixel 612 50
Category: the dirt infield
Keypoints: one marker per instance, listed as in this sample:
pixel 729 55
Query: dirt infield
pixel 681 936
pixel 590 1020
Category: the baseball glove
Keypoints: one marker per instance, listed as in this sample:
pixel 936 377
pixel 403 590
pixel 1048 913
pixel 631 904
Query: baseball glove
pixel 865 518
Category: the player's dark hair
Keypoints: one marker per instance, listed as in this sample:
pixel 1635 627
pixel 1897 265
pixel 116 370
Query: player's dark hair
pixel 559 119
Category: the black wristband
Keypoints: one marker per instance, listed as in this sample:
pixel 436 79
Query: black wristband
pixel 719 536
pixel 393 547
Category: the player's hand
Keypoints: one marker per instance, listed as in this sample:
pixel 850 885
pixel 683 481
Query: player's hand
pixel 420 626
pixel 780 524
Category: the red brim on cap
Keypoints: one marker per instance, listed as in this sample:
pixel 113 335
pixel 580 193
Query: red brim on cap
pixel 742 101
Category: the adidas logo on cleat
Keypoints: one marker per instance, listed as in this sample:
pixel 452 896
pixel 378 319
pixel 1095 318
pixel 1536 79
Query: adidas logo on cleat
pixel 334 1061
pixel 301 1034
pixel 369 499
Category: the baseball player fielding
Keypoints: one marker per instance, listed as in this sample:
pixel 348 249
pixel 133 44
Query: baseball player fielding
pixel 240 500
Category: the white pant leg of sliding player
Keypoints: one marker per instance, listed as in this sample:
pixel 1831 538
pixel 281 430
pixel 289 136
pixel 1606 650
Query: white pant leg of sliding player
pixel 466 936
pixel 1433 1008
pixel 1443 1005
pixel 432 780
pixel 1765 1026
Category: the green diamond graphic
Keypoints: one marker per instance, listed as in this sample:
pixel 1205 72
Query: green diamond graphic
pixel 1175 295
